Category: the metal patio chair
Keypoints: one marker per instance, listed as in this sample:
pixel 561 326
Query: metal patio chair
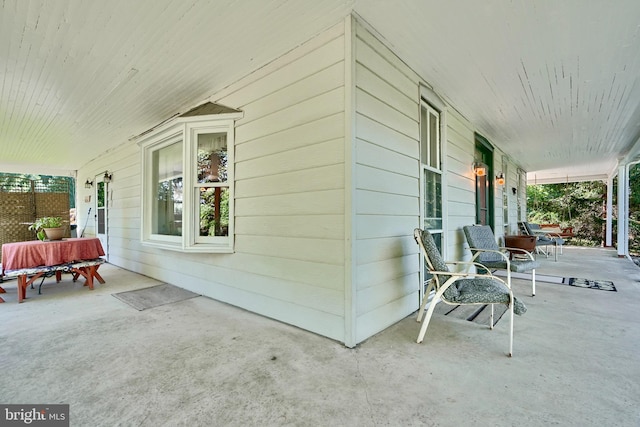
pixel 461 288
pixel 543 238
pixel 486 251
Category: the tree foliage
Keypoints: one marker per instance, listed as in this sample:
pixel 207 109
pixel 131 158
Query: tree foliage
pixel 582 205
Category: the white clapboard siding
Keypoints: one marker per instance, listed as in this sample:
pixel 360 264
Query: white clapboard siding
pixel 312 226
pixel 377 133
pixel 387 180
pixel 460 184
pixel 384 248
pixel 308 179
pixel 324 251
pixel 320 130
pixel 373 321
pixel 289 196
pixel 374 179
pixel 383 158
pixel 376 297
pixel 322 105
pixel 311 156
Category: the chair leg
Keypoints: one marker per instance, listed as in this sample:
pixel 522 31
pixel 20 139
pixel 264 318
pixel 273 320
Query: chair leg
pixel 425 322
pixel 533 282
pixel 491 317
pixel 425 297
pixel 511 327
pixel 422 305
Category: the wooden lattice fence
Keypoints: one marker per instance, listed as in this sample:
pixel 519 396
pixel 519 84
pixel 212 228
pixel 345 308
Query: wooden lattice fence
pixel 22 200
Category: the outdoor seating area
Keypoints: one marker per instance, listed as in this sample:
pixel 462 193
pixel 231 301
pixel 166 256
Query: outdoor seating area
pixel 544 238
pixel 462 287
pixel 457 372
pixel 31 260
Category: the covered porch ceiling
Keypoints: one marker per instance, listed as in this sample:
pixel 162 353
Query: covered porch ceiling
pixel 553 84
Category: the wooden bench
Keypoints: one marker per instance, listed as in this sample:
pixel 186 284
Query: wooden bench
pixel 564 232
pixel 85 268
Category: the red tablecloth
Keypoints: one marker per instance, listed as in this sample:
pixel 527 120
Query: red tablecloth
pixel 36 253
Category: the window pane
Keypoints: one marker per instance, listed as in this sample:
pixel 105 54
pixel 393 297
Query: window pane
pixel 100 198
pixel 432 200
pixel 212 157
pixel 424 135
pixel 214 211
pixel 167 179
pixel 434 146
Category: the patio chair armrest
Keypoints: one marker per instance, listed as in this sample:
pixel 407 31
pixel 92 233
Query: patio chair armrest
pixel 450 273
pixel 462 274
pixel 471 264
pixel 478 251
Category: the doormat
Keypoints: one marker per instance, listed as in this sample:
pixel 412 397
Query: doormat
pixel 155 296
pixel 473 313
pixel 603 285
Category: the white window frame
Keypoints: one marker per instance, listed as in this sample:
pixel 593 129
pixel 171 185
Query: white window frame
pixel 431 99
pixel 426 167
pixel 187 129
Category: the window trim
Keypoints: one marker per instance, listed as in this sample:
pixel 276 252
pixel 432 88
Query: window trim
pixel 426 167
pixel 186 128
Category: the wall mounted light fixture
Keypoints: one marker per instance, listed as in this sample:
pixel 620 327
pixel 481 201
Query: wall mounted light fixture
pixel 500 179
pixel 107 177
pixel 479 169
pixel 88 183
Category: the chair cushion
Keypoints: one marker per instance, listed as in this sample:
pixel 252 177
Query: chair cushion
pixel 520 266
pixel 481 290
pixel 436 260
pixel 481 237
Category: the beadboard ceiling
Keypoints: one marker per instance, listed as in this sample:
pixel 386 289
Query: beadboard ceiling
pixel 555 84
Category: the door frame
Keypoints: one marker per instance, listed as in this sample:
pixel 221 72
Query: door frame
pixel 484 155
pixel 104 237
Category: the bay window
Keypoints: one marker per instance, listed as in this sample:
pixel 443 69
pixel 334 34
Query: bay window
pixel 187 182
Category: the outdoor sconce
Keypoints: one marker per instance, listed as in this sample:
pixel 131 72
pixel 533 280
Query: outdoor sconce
pixel 107 177
pixel 513 190
pixel 479 169
pixel 500 179
pixel 88 183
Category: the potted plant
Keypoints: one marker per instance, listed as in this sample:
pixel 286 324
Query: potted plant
pixel 48 227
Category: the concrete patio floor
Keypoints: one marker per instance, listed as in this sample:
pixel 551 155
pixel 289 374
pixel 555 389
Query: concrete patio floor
pixel 200 362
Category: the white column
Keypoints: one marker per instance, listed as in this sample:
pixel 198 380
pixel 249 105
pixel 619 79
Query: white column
pixel 623 210
pixel 609 214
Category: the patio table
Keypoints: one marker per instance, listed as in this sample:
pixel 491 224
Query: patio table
pixel 43 256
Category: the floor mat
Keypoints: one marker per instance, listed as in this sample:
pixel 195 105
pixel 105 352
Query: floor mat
pixel 603 285
pixel 155 296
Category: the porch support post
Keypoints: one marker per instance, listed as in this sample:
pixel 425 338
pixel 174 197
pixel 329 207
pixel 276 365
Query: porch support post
pixel 623 210
pixel 609 214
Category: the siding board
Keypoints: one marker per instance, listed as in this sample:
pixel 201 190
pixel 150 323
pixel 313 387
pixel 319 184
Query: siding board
pixel 313 156
pixel 371 178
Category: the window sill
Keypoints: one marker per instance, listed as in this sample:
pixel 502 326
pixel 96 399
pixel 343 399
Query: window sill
pixel 199 248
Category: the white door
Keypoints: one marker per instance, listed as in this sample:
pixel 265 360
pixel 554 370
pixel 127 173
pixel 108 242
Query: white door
pixel 102 189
